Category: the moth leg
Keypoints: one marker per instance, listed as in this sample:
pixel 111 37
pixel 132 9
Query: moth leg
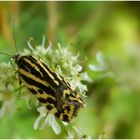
pixel 19 78
pixel 12 64
pixel 20 84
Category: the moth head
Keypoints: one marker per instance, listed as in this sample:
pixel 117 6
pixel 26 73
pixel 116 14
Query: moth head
pixel 16 58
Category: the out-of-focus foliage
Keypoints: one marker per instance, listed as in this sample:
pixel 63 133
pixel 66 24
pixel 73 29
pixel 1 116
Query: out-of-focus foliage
pixel 106 35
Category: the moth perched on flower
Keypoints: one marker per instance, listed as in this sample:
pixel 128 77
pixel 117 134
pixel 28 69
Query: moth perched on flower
pixel 50 88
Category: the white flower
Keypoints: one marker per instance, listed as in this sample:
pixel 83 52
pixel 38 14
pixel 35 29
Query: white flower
pixel 63 62
pixel 101 66
pixel 50 120
pixel 43 112
pixel 7 106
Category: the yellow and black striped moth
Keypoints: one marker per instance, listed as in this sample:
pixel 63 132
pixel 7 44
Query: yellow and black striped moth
pixel 50 88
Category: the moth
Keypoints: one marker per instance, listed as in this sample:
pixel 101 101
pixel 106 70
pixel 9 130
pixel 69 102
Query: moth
pixel 50 88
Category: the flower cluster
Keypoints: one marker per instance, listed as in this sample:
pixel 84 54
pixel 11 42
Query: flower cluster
pixel 6 89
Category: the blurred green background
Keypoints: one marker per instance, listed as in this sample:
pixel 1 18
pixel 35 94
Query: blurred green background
pixel 112 28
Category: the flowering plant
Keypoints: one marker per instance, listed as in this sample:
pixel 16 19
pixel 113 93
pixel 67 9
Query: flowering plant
pixel 62 61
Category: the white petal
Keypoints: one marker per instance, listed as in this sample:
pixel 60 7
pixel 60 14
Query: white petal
pixel 43 41
pixel 85 77
pixel 100 58
pixel 65 123
pixel 45 123
pixel 29 45
pixel 42 110
pixel 53 123
pixel 96 68
pixel 36 124
pixel 79 68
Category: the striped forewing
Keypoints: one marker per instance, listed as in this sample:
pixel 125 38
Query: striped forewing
pixel 50 88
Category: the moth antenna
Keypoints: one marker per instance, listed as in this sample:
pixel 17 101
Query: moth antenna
pixel 15 45
pixel 6 54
